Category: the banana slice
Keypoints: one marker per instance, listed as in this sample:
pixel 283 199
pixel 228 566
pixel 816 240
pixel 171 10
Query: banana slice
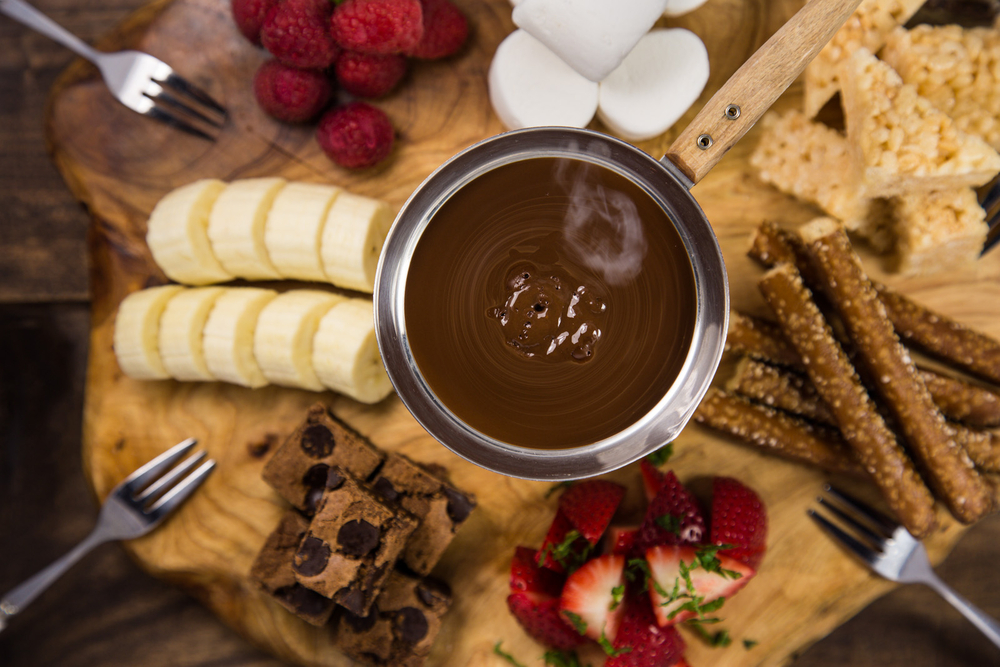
pixel 355 230
pixel 345 354
pixel 177 234
pixel 295 227
pixel 229 333
pixel 283 342
pixel 137 325
pixel 236 227
pixel 181 327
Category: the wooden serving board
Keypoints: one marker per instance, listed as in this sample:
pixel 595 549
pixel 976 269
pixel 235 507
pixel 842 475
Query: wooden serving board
pixel 119 164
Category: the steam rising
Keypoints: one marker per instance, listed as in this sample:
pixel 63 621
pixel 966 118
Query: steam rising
pixel 602 226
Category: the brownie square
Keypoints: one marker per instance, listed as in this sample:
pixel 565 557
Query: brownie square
pixel 402 626
pixel 440 507
pixel 272 571
pixel 353 542
pixel 298 469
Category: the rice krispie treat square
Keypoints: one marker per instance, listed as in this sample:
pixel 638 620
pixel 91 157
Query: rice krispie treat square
pixel 901 143
pixel 938 230
pixel 807 159
pixel 866 28
pixel 956 69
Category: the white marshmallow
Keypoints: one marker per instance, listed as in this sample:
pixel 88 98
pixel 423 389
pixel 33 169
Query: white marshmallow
pixel 530 86
pixel 658 81
pixel 592 36
pixel 678 7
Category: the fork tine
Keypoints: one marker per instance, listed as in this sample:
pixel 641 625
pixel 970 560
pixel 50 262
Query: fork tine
pixel 164 117
pixel 869 513
pixel 175 496
pixel 168 480
pixel 184 86
pixel 158 94
pixel 862 551
pixel 873 538
pixel 152 470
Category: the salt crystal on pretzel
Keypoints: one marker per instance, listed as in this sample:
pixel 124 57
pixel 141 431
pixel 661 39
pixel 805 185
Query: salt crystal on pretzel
pixel 942 337
pixel 838 383
pixel 776 432
pixel 779 388
pixel 961 401
pixel 944 464
pixel 982 447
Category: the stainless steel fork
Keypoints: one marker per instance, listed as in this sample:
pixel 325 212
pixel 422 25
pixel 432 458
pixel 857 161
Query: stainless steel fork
pixel 141 82
pixel 133 508
pixel 892 552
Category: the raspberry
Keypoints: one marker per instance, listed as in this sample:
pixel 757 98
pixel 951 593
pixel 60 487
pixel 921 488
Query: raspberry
pixel 369 75
pixel 249 16
pixel 297 33
pixel 445 30
pixel 356 135
pixel 290 94
pixel 378 26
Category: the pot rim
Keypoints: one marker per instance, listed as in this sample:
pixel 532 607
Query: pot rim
pixel 670 414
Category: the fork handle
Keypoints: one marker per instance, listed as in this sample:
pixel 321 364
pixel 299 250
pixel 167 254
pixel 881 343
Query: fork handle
pixel 19 597
pixel 24 13
pixel 985 623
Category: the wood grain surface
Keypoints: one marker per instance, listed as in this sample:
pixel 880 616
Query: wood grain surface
pixel 119 164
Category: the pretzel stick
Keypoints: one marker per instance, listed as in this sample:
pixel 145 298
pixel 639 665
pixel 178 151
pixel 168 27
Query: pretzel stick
pixel 779 388
pixel 776 432
pixel 760 339
pixel 982 446
pixel 945 465
pixel 961 401
pixel 931 332
pixel 942 337
pixel 789 391
pixel 838 383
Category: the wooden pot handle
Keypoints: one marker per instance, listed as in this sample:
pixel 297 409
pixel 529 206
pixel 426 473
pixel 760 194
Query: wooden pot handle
pixel 756 85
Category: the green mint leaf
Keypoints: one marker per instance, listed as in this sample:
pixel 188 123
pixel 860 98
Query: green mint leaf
pixel 617 594
pixel 557 486
pixel 636 569
pixel 669 523
pixel 567 553
pixel 609 648
pixel 506 656
pixel 749 643
pixel 578 623
pixel 661 455
pixel 719 639
pixel 713 606
pixel 561 659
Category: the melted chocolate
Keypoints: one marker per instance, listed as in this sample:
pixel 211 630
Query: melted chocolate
pixel 571 225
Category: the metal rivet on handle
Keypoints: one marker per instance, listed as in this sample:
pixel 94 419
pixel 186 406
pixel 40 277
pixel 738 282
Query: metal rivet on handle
pixel 733 111
pixel 705 141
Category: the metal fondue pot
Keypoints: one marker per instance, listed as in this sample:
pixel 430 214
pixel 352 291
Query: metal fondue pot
pixel 726 117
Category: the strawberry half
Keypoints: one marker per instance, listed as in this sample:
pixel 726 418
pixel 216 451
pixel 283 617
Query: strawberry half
pixel 620 539
pixel 590 505
pixel 652 479
pixel 592 597
pixel 640 642
pixel 563 548
pixel 740 519
pixel 709 577
pixel 673 517
pixel 527 577
pixel 539 616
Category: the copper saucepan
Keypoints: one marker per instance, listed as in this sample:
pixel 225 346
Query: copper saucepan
pixel 720 124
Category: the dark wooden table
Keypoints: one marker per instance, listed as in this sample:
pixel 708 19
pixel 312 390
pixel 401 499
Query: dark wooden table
pixel 106 611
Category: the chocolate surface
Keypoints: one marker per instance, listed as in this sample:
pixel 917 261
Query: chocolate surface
pixel 588 226
pixel 411 625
